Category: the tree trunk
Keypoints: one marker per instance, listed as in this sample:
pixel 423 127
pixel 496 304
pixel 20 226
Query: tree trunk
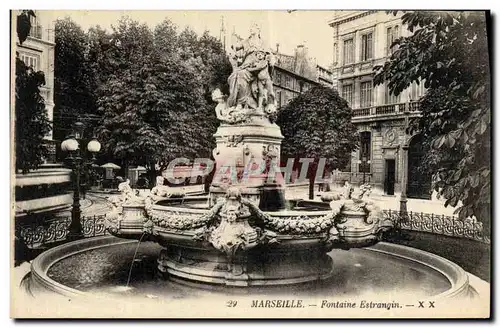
pixel 152 174
pixel 311 188
pixel 126 170
pixel 312 179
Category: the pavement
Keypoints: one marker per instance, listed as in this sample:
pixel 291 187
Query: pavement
pixel 93 204
pixel 96 203
pixel 386 202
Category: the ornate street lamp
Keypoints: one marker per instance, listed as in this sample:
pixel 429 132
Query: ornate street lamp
pixel 76 162
pixel 364 161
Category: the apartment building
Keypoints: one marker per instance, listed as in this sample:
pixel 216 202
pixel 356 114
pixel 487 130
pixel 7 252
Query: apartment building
pixel 38 52
pixel 387 157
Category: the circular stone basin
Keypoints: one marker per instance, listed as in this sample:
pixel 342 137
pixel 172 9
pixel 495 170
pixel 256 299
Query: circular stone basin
pixel 102 265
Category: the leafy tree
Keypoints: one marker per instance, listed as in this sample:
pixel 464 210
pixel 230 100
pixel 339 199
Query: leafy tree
pixel 31 119
pixel 214 72
pixel 156 95
pixel 449 52
pixel 32 123
pixel 153 102
pixel 165 36
pixel 317 124
pixel 74 95
pixel 24 24
pixel 120 93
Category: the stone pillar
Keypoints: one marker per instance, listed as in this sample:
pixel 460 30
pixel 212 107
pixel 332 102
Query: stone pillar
pixel 404 175
pixel 404 179
pixel 356 93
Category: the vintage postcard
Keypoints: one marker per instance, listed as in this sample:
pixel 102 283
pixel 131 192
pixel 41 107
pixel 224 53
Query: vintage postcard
pixel 251 164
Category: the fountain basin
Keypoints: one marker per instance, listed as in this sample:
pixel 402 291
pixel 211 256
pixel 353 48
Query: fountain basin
pixel 94 267
pixel 236 243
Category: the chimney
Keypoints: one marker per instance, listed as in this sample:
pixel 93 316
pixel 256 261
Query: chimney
pixel 277 48
pixel 302 61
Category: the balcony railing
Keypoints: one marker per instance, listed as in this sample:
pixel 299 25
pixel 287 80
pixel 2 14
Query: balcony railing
pixel 414 106
pixel 386 109
pixel 361 112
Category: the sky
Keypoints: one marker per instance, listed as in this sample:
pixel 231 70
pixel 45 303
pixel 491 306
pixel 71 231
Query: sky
pixel 288 29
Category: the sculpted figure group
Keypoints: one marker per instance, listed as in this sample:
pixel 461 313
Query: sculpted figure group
pixel 250 85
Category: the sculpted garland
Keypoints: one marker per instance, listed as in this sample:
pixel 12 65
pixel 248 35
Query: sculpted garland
pixel 301 225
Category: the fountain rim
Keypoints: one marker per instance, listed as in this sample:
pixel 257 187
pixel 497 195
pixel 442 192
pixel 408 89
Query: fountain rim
pixel 284 213
pixel 456 276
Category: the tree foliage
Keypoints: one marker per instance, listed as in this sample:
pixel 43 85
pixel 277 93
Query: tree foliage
pixel 448 51
pixel 74 95
pixel 32 123
pixel 155 100
pixel 151 88
pixel 23 26
pixel 31 119
pixel 317 124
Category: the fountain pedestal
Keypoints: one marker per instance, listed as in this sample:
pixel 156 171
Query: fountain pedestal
pixel 244 155
pixel 284 264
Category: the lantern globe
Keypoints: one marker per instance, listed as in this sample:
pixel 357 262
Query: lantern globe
pixel 94 146
pixel 69 145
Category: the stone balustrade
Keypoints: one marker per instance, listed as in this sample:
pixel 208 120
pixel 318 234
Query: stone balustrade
pixel 383 110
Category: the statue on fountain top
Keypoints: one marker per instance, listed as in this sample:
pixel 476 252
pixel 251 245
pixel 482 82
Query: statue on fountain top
pixel 250 85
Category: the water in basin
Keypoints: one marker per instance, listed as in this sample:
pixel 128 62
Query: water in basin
pixel 357 272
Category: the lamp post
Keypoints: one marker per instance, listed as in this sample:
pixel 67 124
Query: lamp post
pixel 364 161
pixel 77 162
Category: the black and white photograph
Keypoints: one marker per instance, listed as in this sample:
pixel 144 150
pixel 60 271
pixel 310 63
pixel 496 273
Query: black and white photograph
pixel 250 164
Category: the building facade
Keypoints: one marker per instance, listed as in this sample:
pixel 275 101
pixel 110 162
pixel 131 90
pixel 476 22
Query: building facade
pixel 47 189
pixel 288 85
pixel 38 52
pixel 387 157
pixel 324 76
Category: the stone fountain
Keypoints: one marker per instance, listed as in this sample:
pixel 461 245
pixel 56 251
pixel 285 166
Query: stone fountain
pixel 243 233
pixel 245 237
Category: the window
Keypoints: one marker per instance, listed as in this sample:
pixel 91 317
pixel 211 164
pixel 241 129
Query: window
pixel 348 51
pixel 278 98
pixel 365 152
pixel 366 94
pixel 36 28
pixel 277 77
pixel 390 98
pixel 416 91
pixel 30 60
pixel 335 53
pixel 392 35
pixel 347 93
pixel 366 46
